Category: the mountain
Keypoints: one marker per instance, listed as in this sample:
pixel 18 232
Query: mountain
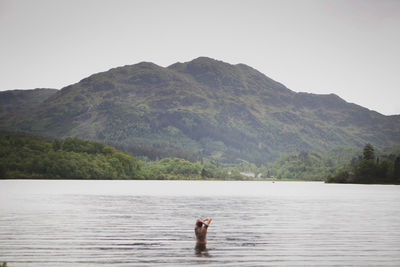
pixel 215 109
pixel 23 100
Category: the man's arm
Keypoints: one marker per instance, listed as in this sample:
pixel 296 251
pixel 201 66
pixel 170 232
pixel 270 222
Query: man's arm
pixel 207 222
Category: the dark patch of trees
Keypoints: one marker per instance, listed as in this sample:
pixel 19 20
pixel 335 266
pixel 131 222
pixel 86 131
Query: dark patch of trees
pixel 369 169
pixel 24 156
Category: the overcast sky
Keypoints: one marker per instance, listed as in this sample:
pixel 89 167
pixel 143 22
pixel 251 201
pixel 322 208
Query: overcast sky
pixel 350 48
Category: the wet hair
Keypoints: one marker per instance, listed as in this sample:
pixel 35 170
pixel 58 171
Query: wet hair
pixel 199 224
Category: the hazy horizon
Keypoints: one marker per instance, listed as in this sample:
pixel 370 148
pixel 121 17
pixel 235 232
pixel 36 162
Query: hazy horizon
pixel 349 48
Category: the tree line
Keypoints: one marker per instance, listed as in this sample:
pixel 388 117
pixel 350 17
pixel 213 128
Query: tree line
pixel 30 157
pixel 369 169
pixel 25 156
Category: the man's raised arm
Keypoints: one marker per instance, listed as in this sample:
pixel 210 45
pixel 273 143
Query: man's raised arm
pixel 207 222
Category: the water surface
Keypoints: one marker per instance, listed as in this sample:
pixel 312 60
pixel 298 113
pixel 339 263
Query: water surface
pixel 150 223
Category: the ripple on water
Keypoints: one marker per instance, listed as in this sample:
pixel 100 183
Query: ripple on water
pixel 277 229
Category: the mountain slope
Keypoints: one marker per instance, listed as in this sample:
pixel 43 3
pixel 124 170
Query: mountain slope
pixel 227 112
pixel 22 100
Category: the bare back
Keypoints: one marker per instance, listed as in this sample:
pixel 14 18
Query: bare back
pixel 201 234
pixel 200 229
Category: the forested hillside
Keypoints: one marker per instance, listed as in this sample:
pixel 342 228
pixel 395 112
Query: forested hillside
pixel 206 108
pixel 22 100
pixel 30 157
pixel 23 156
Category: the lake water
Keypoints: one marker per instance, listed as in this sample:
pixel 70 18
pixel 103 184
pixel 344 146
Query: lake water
pixel 151 223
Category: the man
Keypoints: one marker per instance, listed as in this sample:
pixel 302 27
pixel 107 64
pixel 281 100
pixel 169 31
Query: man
pixel 200 229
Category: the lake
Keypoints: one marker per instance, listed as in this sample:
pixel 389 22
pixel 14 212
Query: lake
pixel 151 223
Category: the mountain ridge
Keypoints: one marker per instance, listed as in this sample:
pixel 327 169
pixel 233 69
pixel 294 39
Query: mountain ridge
pixel 206 106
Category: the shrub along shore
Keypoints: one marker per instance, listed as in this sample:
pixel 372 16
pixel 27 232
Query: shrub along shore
pixel 29 157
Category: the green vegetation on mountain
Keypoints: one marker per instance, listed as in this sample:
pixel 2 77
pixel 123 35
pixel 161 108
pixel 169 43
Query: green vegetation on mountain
pixel 302 166
pixel 369 169
pixel 154 152
pixel 336 162
pixel 310 165
pixel 171 168
pixel 23 156
pixel 29 157
pixel 16 103
pixel 202 109
pixel 16 100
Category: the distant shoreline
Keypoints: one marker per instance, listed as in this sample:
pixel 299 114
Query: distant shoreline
pixel 178 179
pixel 192 180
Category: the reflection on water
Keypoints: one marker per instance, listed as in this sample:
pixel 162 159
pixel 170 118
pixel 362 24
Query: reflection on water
pixel 201 252
pixel 139 223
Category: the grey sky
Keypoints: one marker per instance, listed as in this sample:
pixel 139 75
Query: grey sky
pixel 350 48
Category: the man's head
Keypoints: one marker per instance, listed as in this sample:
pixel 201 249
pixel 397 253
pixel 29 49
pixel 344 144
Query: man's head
pixel 199 224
